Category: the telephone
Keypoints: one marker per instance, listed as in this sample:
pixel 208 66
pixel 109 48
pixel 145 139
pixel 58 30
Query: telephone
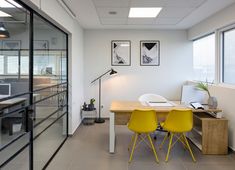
pixel 196 105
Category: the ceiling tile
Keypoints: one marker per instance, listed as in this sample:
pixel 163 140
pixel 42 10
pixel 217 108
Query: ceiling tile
pixel 121 12
pixel 111 3
pixel 147 3
pixel 140 21
pixel 184 3
pixel 113 21
pixel 173 12
pixel 167 21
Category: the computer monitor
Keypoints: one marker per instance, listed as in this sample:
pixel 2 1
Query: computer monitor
pixel 48 70
pixel 190 94
pixel 5 90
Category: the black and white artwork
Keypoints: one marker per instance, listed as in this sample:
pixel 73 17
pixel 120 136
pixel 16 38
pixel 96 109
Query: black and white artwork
pixel 121 53
pixel 11 44
pixel 149 53
pixel 41 45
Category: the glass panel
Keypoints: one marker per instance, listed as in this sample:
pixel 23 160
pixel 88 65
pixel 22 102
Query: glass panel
pixel 13 148
pixel 46 144
pixel 20 162
pixel 12 64
pixel 50 62
pixel 1 64
pixel 204 58
pixel 12 125
pixel 14 80
pixel 229 57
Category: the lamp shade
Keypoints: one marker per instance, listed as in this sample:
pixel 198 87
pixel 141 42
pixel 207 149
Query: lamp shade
pixel 113 72
pixel 3 31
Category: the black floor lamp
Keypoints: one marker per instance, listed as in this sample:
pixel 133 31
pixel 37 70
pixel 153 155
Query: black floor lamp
pixel 111 72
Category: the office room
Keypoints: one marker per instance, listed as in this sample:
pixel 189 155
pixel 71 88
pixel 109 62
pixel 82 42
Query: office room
pixel 117 84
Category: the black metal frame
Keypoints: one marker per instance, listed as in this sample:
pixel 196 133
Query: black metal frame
pixel 28 108
pixel 159 47
pixel 113 41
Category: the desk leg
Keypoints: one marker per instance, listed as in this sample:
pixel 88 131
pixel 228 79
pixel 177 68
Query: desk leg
pixel 111 132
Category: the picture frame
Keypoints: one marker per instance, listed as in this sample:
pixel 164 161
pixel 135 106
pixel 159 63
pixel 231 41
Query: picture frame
pixel 41 44
pixel 150 53
pixel 11 44
pixel 120 52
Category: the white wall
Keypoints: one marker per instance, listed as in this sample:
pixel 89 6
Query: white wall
pixel 224 94
pixel 222 18
pixel 58 15
pixel 132 81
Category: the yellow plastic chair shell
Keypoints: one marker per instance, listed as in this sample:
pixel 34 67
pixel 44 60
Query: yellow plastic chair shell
pixel 177 123
pixel 142 122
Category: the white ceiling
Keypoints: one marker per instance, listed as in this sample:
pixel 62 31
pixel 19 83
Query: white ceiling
pixel 176 14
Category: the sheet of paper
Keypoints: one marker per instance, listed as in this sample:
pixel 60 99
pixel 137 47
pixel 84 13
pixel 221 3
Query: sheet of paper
pixel 166 104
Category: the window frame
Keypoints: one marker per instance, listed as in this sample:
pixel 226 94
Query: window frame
pixel 215 68
pixel 220 39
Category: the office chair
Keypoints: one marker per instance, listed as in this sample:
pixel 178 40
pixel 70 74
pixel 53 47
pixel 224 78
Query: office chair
pixel 153 98
pixel 177 123
pixel 142 122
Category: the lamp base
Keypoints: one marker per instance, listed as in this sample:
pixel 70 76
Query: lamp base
pixel 99 120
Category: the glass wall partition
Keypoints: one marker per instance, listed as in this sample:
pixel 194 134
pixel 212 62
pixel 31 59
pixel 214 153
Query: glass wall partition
pixel 33 88
pixel 49 83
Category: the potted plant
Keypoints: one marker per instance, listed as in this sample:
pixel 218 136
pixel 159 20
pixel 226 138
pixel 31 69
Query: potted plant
pixel 91 106
pixel 212 101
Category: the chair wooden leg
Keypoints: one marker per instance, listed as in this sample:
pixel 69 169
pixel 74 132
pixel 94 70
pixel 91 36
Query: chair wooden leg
pixel 133 147
pixel 161 145
pixel 154 151
pixel 131 142
pixel 169 147
pixel 186 141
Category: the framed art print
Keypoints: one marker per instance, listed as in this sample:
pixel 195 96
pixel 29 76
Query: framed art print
pixel 150 53
pixel 121 53
pixel 11 44
pixel 41 45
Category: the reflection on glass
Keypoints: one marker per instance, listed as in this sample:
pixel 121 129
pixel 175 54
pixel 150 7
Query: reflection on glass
pixel 204 58
pixel 14 73
pixel 52 138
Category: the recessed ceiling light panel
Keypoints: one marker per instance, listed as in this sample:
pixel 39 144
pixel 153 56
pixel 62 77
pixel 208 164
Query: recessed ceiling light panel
pixel 144 12
pixel 3 14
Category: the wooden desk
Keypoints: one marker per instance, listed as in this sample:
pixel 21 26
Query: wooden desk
pixel 11 102
pixel 120 112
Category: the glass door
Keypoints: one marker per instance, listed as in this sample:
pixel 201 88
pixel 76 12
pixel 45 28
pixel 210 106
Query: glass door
pixel 33 88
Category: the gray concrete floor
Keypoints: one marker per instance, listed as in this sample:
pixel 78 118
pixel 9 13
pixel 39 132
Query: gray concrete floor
pixel 87 149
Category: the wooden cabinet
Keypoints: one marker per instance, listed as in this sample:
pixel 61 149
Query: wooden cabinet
pixel 209 134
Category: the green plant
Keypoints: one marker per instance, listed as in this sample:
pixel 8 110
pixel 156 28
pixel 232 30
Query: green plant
pixel 204 87
pixel 92 101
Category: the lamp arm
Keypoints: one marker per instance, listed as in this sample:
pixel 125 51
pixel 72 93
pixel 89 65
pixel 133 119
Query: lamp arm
pixel 101 75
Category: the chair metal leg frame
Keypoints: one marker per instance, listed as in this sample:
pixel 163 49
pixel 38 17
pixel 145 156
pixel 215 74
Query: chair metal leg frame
pixel 161 145
pixel 169 147
pixel 132 139
pixel 184 141
pixel 133 147
pixel 136 136
pixel 154 151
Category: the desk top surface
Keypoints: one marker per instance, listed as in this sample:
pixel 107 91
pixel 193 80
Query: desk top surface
pixel 129 106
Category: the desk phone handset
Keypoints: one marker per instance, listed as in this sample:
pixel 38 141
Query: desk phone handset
pixel 197 105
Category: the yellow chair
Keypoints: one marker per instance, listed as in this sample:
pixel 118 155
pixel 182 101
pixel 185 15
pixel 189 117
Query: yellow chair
pixel 177 123
pixel 142 122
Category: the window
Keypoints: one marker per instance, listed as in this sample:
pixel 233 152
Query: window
pixel 228 58
pixel 12 64
pixel 24 64
pixel 204 58
pixel 1 64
